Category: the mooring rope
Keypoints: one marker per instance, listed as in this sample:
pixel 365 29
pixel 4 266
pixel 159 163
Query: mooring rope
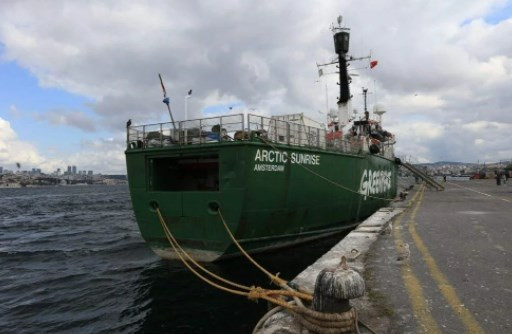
pixel 317 322
pixel 273 278
pixel 179 251
pixel 323 177
pixel 252 292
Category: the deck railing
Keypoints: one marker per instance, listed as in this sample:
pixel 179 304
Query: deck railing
pixel 240 128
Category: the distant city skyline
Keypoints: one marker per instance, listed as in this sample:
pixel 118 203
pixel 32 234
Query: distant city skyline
pixel 71 170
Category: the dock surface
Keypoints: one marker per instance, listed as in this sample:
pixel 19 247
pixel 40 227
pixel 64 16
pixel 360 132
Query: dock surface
pixel 455 269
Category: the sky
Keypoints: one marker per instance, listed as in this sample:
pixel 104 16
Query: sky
pixel 73 72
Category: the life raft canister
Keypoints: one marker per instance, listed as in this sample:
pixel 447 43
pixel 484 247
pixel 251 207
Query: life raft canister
pixel 374 146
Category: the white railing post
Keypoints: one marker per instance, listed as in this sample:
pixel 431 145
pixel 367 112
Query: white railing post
pixel 288 133
pixel 200 130
pixel 181 140
pixel 161 136
pixel 220 130
pixel 144 136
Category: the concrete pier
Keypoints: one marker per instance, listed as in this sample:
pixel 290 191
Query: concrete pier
pixel 443 266
pixel 458 278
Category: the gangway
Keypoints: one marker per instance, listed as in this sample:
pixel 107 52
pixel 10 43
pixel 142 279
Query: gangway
pixel 429 180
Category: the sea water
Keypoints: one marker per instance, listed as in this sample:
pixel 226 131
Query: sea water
pixel 73 261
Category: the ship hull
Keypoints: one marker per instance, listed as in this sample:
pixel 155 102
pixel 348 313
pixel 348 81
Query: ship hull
pixel 269 196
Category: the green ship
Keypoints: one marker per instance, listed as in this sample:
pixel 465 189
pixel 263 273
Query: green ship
pixel 277 181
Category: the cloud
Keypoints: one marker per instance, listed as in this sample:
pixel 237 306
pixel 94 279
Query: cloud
pixel 76 119
pixel 419 101
pixel 101 155
pixel 13 150
pixel 443 62
pixel 479 126
pixel 428 140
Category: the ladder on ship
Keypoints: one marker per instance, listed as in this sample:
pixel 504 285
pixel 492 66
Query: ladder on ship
pixel 429 180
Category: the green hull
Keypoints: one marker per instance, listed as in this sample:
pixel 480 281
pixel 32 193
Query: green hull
pixel 269 199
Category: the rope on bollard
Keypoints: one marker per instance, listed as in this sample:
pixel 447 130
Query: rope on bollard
pixel 328 323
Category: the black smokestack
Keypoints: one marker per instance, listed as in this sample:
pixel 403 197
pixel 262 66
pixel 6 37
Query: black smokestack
pixel 341 42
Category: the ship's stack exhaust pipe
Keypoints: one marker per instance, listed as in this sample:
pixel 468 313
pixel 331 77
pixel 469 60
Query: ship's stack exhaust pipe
pixel 341 40
pixel 341 46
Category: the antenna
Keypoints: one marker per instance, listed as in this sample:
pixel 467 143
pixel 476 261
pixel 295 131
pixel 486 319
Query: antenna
pixel 340 18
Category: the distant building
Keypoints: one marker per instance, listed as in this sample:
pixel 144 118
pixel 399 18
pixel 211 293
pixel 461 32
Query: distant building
pixel 1 170
pixel 89 173
pixel 35 171
pixel 73 170
pixel 69 170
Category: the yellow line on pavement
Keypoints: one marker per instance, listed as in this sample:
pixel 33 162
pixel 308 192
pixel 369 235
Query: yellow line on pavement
pixel 412 283
pixel 472 326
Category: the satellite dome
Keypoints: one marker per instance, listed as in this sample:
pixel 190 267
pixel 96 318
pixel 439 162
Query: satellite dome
pixel 379 109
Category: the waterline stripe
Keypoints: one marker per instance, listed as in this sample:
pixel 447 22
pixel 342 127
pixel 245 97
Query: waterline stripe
pixel 472 326
pixel 412 283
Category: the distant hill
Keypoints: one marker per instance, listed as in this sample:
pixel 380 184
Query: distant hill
pixel 443 163
pixel 469 164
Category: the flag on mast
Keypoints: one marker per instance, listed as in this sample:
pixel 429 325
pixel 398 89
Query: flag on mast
pixel 373 63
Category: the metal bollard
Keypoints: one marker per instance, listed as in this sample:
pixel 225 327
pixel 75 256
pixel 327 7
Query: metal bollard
pixel 335 287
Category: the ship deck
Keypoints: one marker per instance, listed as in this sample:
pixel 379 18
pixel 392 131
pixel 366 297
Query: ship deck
pixel 291 131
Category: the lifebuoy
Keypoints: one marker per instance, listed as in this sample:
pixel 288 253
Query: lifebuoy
pixel 135 144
